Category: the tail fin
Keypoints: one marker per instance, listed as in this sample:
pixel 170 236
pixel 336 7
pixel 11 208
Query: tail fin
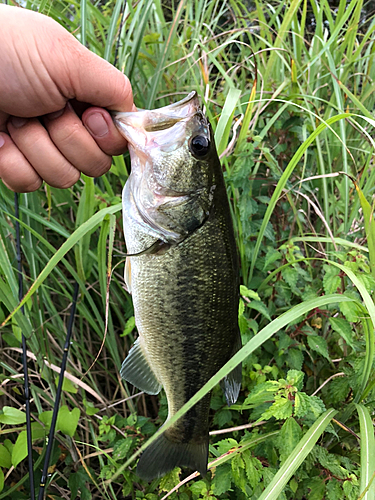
pixel 164 455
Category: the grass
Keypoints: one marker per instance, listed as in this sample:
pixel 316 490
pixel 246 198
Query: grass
pixel 291 103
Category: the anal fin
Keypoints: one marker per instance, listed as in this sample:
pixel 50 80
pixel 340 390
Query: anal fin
pixel 231 384
pixel 137 370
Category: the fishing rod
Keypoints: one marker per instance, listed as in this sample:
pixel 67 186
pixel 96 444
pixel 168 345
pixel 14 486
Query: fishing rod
pixel 51 433
pixel 24 352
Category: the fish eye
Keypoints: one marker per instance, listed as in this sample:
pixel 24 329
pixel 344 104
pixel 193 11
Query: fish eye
pixel 199 146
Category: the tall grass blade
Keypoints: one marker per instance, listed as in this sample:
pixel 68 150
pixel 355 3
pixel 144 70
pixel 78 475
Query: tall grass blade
pixel 223 127
pixel 367 453
pixel 368 215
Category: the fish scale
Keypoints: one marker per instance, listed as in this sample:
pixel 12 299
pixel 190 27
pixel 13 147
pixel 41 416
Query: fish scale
pixel 186 295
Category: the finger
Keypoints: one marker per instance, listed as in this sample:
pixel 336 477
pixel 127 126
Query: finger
pixel 15 171
pixel 100 125
pixel 73 140
pixel 33 141
pixel 96 81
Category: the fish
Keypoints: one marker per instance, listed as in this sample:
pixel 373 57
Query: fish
pixel 182 270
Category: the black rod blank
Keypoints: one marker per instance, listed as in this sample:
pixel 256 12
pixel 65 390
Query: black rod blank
pixel 51 434
pixel 24 353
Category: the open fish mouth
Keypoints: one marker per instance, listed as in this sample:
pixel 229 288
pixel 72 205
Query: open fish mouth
pixel 140 128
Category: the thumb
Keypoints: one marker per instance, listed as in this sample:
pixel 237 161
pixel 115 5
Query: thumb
pixel 97 82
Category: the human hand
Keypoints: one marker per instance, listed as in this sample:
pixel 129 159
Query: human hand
pixel 47 80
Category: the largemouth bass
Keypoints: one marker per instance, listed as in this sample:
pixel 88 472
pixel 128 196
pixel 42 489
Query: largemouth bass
pixel 183 274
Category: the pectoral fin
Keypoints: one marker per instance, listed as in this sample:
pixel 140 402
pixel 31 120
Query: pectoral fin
pixel 136 370
pixel 231 384
pixel 128 276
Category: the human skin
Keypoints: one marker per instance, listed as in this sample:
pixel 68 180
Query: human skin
pixel 53 92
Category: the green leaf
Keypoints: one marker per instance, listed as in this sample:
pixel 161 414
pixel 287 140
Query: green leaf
pixel 129 327
pixel 280 409
pixel 122 447
pixel 296 458
pixel 222 479
pixel 170 480
pixel 225 121
pixel 67 421
pixel 19 451
pixel 5 457
pixel 331 279
pixel 77 481
pixel 295 358
pixel 290 275
pixel 301 404
pixel 12 416
pixel 338 390
pixel 295 378
pixel 350 311
pixel 245 292
pixel 253 469
pixel 260 307
pixel 1 480
pixel 289 436
pixel 67 386
pixel 319 345
pixel 343 328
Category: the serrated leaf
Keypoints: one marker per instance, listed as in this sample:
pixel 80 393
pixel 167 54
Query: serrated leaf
pixel 271 256
pixel 289 436
pixel 282 408
pixel 318 344
pixel 245 292
pixel 350 311
pixel 338 390
pixel 290 276
pixel 222 479
pixel 295 378
pixel 253 469
pixel 343 328
pixel 197 488
pixel 170 480
pixel 260 307
pixel 331 279
pixel 122 447
pixel 295 358
pixel 301 404
pixel 262 392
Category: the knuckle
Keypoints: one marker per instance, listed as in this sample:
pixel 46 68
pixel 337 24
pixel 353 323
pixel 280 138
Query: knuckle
pixel 70 179
pixel 101 167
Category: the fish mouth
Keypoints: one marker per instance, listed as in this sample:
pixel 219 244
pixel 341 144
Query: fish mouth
pixel 138 126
